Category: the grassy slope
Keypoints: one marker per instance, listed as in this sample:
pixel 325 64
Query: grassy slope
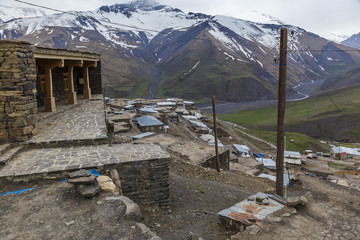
pixel 316 116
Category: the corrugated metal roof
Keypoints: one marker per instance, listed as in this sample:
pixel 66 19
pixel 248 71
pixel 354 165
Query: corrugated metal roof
pixel 148 121
pixel 244 211
pixel 242 148
pixel 292 154
pixel 273 178
pixel 147 134
pixel 268 163
pixel 352 151
pixel 147 110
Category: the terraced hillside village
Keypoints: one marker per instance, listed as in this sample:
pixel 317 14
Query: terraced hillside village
pixel 106 130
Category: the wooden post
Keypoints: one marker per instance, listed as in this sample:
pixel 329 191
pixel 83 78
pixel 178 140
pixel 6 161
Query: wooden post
pixel 87 90
pixel 71 96
pixel 48 65
pixel 49 101
pixel 281 114
pixel 215 135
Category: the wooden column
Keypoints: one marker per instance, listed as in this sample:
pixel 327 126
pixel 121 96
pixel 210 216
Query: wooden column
pixel 49 100
pixel 71 96
pixel 86 65
pixel 48 65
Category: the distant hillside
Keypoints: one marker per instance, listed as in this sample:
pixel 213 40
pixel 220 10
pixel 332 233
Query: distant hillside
pixel 353 41
pixel 345 80
pixel 153 50
pixel 316 116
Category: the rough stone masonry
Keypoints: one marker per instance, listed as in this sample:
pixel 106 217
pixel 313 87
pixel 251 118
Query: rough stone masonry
pixel 17 91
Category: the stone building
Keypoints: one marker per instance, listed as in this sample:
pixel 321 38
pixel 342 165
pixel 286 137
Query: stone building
pixel 32 77
pixel 150 124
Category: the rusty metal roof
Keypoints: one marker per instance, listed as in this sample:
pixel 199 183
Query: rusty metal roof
pixel 248 212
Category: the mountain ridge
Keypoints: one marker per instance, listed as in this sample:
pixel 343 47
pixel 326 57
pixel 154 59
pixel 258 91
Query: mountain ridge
pixel 140 42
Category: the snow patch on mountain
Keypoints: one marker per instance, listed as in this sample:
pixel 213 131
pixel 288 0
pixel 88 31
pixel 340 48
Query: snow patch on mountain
pixel 9 13
pixel 337 38
pixel 229 56
pixel 192 68
pixel 257 17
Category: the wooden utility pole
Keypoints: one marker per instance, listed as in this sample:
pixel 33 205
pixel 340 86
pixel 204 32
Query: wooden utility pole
pixel 215 135
pixel 281 114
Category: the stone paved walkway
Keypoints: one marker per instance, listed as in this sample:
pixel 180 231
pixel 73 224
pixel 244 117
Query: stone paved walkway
pixel 85 121
pixel 47 161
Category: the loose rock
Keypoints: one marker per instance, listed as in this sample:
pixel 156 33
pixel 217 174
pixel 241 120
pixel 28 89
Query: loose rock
pixel 83 180
pixel 89 190
pixel 273 219
pixel 293 201
pixel 80 173
pixel 69 223
pixel 303 201
pixel 106 184
pixel 252 230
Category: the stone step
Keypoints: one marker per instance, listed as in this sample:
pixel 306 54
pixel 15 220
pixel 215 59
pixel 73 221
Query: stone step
pixel 102 139
pixel 8 155
pixel 3 148
pixel 121 129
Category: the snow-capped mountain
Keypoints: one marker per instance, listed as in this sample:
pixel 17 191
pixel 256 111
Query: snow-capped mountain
pixel 150 49
pixel 353 41
pixel 337 38
pixel 9 13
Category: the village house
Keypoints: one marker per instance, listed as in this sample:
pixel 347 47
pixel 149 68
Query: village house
pixel 150 124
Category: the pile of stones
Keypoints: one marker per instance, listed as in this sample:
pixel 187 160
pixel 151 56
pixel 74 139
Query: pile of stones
pixel 85 183
pixel 259 200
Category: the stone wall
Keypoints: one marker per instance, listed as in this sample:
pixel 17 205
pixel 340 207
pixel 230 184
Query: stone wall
pixel 224 159
pixel 146 182
pixel 17 91
pixel 95 79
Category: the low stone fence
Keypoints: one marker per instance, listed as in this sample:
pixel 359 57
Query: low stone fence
pixel 146 182
pixel 224 159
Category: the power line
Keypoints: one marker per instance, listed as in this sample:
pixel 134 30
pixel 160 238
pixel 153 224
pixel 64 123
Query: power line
pixel 77 14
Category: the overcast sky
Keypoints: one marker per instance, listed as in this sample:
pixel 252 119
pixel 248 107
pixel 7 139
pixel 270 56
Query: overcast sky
pixel 318 16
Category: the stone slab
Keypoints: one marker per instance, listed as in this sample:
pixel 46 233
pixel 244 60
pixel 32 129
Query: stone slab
pixel 83 180
pixel 9 154
pixel 32 162
pixel 83 124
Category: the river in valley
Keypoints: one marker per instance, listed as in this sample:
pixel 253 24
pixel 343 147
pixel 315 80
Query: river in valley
pixel 304 90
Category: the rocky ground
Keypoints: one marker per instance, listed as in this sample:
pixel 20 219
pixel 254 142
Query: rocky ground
pixel 53 210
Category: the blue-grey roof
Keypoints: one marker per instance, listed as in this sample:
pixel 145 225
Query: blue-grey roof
pixel 147 110
pixel 147 134
pixel 148 121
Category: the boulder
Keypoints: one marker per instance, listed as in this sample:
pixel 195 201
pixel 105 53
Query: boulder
pixel 106 184
pixel 293 201
pixel 89 191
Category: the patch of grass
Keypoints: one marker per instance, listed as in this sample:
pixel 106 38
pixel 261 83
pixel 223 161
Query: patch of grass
pixel 337 165
pixel 301 141
pixel 140 90
pixel 310 114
